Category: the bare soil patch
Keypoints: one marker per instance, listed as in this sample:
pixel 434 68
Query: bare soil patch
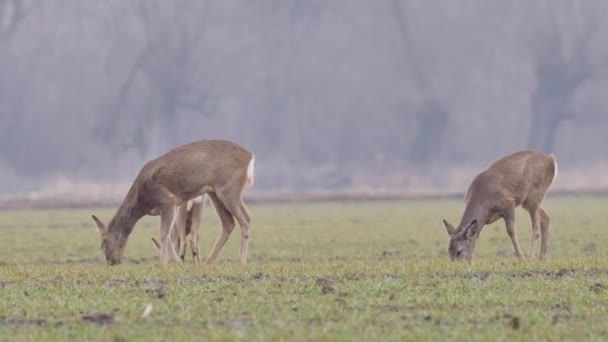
pixel 102 319
pixel 24 322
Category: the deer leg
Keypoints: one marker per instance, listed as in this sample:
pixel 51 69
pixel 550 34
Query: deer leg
pixel 167 221
pixel 183 245
pixel 245 211
pixel 544 231
pixel 196 223
pixel 534 217
pixel 175 239
pixel 195 250
pixel 228 223
pixel 509 217
pixel 234 203
pixel 244 234
pixel 180 226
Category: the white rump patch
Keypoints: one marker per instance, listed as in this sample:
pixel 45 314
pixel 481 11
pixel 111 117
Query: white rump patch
pixel 555 168
pixel 555 164
pixel 250 176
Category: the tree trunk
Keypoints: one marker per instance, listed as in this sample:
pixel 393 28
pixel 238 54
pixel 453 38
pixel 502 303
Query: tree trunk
pixel 432 120
pixel 543 131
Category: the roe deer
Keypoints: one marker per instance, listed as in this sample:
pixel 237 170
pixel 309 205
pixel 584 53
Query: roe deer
pixel 521 178
pixel 190 212
pixel 219 168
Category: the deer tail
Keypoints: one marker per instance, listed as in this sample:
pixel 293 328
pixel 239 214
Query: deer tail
pixel 250 172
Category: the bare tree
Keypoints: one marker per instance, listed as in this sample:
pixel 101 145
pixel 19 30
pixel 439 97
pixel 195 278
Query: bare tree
pixel 12 14
pixel 169 66
pixel 303 16
pixel 431 115
pixel 562 65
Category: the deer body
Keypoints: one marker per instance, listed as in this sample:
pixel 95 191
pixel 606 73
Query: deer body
pixel 518 179
pixel 218 168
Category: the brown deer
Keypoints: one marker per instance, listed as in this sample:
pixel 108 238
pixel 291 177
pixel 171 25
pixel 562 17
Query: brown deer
pixel 521 178
pixel 219 168
pixel 190 213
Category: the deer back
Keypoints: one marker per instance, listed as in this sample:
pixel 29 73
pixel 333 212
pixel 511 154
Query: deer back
pixel 513 179
pixel 190 170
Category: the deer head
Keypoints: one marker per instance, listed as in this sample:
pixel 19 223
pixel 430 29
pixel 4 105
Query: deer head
pixel 112 246
pixel 462 242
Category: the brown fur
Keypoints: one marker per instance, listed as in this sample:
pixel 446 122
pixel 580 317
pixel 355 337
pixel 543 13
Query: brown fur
pixel 214 167
pixel 521 178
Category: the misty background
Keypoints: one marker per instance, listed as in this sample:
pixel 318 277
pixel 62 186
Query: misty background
pixel 410 96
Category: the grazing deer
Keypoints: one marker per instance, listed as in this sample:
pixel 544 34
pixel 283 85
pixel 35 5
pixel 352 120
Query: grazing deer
pixel 190 213
pixel 219 168
pixel 521 178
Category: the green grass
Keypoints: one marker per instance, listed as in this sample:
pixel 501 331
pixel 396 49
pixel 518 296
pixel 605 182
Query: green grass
pixel 326 271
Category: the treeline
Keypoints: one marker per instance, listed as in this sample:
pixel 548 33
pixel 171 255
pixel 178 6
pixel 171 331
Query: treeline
pixel 329 94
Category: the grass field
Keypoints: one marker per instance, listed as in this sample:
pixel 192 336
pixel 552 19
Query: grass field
pixel 325 271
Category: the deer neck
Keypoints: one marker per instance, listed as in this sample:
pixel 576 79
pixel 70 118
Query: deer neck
pixel 123 222
pixel 126 216
pixel 474 210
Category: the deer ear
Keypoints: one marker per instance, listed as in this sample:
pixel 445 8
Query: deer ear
pixel 472 229
pixel 451 230
pixel 100 226
pixel 156 245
